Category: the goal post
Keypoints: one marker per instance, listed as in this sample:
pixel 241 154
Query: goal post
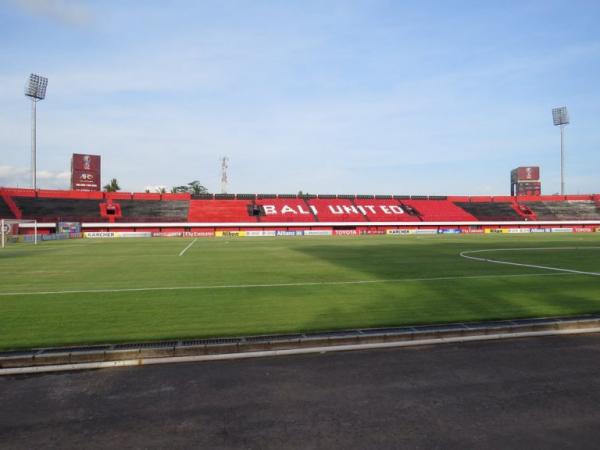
pixel 9 231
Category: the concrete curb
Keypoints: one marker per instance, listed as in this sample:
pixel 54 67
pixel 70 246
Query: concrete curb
pixel 296 351
pixel 85 358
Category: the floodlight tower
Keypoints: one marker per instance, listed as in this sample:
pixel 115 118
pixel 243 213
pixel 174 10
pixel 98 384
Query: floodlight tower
pixel 224 167
pixel 36 90
pixel 560 117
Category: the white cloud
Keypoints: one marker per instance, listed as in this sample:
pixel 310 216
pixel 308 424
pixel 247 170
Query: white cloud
pixel 65 11
pixel 21 177
pixel 158 188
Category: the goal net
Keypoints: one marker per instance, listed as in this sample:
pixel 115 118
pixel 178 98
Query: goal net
pixel 18 230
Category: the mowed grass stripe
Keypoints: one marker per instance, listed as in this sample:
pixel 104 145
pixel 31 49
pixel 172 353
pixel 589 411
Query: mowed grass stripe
pixel 464 290
pixel 283 285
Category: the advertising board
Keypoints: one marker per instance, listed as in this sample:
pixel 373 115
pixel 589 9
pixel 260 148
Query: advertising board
pixel 68 227
pixel 397 232
pixel 183 234
pixel 85 172
pixel 260 233
pixel 233 233
pixel 528 173
pixel 529 188
pixel 345 232
pixel 116 234
pixel 290 233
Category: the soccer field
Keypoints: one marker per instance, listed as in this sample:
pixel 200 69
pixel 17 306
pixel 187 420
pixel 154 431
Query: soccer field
pixel 100 291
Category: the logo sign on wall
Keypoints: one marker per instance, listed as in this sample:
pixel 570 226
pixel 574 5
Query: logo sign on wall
pixel 85 172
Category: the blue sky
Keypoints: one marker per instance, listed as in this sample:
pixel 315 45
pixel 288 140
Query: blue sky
pixel 405 97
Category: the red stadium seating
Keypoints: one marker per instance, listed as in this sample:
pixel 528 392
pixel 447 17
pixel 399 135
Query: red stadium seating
pixel 384 210
pixel 124 208
pixel 336 210
pixel 285 210
pixel 220 211
pixel 439 211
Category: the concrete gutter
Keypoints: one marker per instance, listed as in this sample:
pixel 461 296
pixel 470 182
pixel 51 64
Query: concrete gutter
pixel 119 355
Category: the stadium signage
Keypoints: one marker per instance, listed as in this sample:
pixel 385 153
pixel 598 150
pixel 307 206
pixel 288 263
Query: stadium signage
pixel 85 172
pixel 318 233
pixel 403 231
pixel 260 233
pixel 338 210
pixel 290 233
pixel 183 234
pixel 345 232
pixel 116 234
pixel 449 231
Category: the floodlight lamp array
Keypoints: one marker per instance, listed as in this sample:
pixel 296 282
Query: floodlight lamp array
pixel 560 116
pixel 36 88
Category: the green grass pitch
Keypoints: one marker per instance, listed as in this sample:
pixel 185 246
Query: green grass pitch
pixel 99 291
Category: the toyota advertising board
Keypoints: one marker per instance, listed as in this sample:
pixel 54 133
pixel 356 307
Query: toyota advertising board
pixel 85 172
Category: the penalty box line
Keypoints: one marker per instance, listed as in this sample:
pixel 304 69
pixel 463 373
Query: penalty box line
pixel 187 247
pixel 466 254
pixel 276 285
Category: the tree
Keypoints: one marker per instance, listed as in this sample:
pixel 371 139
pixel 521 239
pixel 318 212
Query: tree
pixel 193 187
pixel 196 188
pixel 113 186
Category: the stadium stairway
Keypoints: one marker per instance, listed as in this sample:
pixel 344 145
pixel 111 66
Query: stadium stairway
pixel 8 208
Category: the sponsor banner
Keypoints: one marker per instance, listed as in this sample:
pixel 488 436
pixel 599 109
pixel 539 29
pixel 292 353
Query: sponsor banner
pixel 318 232
pixel 492 230
pixel 516 230
pixel 371 232
pixel 425 231
pixel 167 234
pixel 538 230
pixel 582 230
pixel 561 230
pixel 69 227
pixel 183 234
pixel 449 231
pixel 99 234
pixel 403 231
pixel 345 232
pixel 117 234
pixel 230 233
pixel 85 172
pixel 258 233
pixel 473 231
pixel 290 233
pixel 198 234
pixel 49 237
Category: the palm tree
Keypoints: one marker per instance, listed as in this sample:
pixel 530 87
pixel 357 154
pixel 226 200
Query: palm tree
pixel 193 187
pixel 113 186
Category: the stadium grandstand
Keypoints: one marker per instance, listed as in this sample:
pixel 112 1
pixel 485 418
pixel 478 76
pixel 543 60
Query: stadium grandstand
pixel 106 211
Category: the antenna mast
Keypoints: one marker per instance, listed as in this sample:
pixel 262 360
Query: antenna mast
pixel 224 167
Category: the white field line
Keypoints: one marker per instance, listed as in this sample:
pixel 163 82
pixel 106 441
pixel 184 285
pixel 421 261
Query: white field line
pixel 533 266
pixel 188 246
pixel 274 285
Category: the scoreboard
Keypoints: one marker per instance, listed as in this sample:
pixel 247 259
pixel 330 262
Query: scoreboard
pixel 85 172
pixel 525 181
